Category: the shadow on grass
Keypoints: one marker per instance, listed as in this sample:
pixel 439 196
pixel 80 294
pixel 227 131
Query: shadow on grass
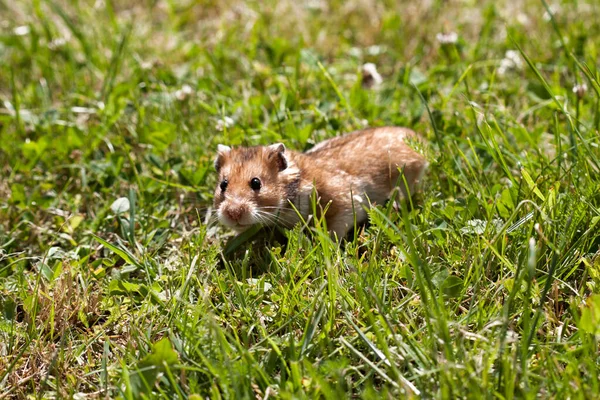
pixel 254 248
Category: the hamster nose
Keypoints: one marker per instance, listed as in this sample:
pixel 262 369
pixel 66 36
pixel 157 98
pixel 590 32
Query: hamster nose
pixel 235 213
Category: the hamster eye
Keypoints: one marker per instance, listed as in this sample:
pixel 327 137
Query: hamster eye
pixel 255 184
pixel 223 184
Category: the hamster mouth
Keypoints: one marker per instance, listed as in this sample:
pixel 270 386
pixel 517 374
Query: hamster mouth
pixel 236 225
pixel 241 227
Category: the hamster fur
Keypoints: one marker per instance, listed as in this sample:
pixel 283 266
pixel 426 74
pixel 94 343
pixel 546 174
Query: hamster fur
pixel 267 184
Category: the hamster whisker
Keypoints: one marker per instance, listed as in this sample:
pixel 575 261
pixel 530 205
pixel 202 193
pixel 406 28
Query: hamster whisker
pixel 274 211
pixel 280 212
pixel 274 218
pixel 211 221
pixel 273 208
pixel 265 217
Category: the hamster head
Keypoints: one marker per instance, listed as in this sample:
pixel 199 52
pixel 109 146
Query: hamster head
pixel 254 184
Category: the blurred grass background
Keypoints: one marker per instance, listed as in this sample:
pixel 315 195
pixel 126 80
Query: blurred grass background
pixel 113 285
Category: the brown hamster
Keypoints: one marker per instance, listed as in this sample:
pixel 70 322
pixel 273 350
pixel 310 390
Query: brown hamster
pixel 267 184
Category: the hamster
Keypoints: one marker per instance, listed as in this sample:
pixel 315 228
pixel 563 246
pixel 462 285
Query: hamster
pixel 271 185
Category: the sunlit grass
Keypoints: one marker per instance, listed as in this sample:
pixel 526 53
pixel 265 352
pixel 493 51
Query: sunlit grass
pixel 114 282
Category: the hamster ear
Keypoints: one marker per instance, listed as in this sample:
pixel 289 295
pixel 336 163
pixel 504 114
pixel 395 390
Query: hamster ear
pixel 221 148
pixel 222 151
pixel 276 153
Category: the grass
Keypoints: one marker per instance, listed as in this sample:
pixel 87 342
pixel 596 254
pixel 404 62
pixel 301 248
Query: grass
pixel 487 288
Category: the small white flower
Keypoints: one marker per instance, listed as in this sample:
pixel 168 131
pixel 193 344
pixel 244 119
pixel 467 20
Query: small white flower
pixel 21 30
pixel 254 282
pixel 580 90
pixel 515 57
pixel 184 93
pixel 504 66
pixel 355 52
pixel 172 263
pixel 120 205
pixel 316 5
pixel 523 19
pixel 374 50
pixel 554 9
pixel 147 65
pixel 511 337
pixel 512 60
pixel 56 43
pixel 370 76
pixel 447 38
pixel 82 110
pixel 226 122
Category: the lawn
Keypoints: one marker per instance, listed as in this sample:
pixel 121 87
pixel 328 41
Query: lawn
pixel 115 280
